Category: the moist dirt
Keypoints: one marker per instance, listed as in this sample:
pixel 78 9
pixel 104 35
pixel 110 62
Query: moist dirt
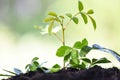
pixel 94 73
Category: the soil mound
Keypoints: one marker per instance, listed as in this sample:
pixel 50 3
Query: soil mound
pixel 94 73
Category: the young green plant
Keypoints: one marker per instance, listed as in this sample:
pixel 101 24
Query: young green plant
pixel 74 56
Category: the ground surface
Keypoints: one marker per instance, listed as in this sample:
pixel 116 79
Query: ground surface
pixel 94 73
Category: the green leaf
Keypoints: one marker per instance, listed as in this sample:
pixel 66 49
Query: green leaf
pixel 9 71
pixel 57 19
pixel 68 51
pixel 62 51
pixel 75 57
pixel 84 42
pixel 75 20
pixel 82 65
pixel 55 68
pixel 84 51
pixel 36 63
pixel 80 6
pixel 86 60
pixel 94 60
pixel 27 66
pixel 34 59
pixel 32 68
pixel 84 17
pixel 93 22
pixel 69 15
pixel 77 45
pixel 90 11
pixel 52 70
pixel 62 17
pixel 52 14
pixel 72 64
pixel 50 27
pixel 74 54
pixel 6 75
pixel 102 60
pixel 67 57
pixel 48 19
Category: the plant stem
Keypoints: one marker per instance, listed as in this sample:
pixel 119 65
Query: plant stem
pixel 57 36
pixel 63 36
pixel 63 32
pixel 64 27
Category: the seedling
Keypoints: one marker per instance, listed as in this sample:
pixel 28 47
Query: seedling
pixel 34 65
pixel 74 56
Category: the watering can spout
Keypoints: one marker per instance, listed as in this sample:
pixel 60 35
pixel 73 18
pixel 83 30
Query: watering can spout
pixel 100 48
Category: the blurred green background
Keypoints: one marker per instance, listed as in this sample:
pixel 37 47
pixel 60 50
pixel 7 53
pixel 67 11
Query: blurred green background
pixel 20 42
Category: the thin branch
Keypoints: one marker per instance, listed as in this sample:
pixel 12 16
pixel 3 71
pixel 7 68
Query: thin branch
pixel 57 36
pixel 71 19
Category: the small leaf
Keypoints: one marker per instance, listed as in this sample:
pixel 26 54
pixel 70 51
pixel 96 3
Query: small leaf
pixel 77 45
pixel 80 6
pixel 86 60
pixel 84 51
pixel 84 42
pixel 75 57
pixel 57 19
pixel 102 60
pixel 67 57
pixel 9 71
pixel 50 27
pixel 52 70
pixel 82 65
pixel 27 66
pixel 36 63
pixel 90 11
pixel 34 59
pixel 84 17
pixel 32 68
pixel 52 14
pixel 62 17
pixel 62 51
pixel 48 19
pixel 6 75
pixel 72 63
pixel 75 20
pixel 93 22
pixel 94 60
pixel 69 15
pixel 56 66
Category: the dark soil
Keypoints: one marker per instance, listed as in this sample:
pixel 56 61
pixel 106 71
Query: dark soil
pixel 94 73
